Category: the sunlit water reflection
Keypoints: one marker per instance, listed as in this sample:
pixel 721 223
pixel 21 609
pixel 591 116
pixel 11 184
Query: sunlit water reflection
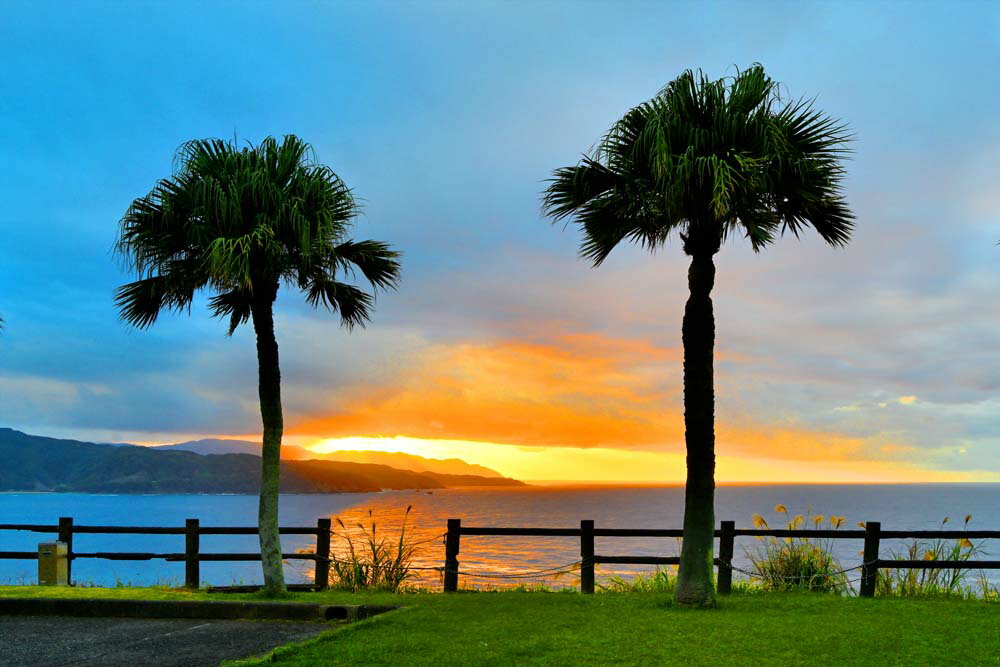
pixel 896 506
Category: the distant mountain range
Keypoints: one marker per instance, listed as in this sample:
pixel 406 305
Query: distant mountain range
pixel 292 453
pixel 37 463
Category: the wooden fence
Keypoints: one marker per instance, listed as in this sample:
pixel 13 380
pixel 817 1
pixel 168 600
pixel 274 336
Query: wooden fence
pixel 192 554
pixel 727 534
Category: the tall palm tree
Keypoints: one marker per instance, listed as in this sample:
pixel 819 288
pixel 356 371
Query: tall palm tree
pixel 709 160
pixel 240 222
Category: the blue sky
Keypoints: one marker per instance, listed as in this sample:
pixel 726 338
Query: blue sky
pixel 446 118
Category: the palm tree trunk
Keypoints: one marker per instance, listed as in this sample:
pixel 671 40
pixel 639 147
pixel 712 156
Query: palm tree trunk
pixel 269 386
pixel 694 578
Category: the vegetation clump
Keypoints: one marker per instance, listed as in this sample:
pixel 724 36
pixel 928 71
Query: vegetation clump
pixel 660 580
pixel 370 562
pixel 951 582
pixel 797 563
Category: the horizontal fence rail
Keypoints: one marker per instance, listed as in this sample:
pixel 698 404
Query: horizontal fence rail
pixel 192 555
pixel 727 534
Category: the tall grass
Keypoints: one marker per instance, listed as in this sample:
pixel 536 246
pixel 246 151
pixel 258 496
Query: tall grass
pixel 370 562
pixel 660 580
pixel 988 591
pixel 935 583
pixel 797 563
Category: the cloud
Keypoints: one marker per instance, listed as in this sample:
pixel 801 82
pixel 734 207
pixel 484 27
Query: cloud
pixel 579 390
pixel 498 330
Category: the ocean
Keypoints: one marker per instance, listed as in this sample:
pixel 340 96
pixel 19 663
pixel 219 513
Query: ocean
pixel 917 506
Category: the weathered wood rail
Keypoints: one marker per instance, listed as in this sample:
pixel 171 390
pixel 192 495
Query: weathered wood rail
pixel 192 556
pixel 727 534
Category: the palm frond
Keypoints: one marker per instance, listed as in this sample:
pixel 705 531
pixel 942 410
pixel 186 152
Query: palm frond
pixel 242 219
pixel 235 304
pixel 141 301
pixel 351 303
pixel 709 159
pixel 376 261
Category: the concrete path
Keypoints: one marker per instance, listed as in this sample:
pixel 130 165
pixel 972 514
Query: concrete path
pixel 47 641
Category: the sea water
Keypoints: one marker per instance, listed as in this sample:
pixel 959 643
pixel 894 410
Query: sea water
pixel 897 507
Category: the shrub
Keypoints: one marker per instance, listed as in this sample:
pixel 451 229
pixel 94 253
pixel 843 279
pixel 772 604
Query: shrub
pixel 369 562
pixel 797 563
pixel 988 591
pixel 934 583
pixel 660 580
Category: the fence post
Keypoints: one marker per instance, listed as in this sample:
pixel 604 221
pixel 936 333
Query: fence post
pixel 66 535
pixel 869 568
pixel 452 544
pixel 587 556
pixel 192 539
pixel 322 581
pixel 726 540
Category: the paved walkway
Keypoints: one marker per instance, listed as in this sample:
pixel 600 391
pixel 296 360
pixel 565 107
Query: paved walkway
pixel 47 641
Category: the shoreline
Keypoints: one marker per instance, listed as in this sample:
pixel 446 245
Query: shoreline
pixel 529 485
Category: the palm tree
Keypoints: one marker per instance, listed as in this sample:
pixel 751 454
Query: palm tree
pixel 709 160
pixel 240 222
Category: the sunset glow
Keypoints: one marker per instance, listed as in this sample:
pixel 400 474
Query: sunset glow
pixel 590 407
pixel 599 464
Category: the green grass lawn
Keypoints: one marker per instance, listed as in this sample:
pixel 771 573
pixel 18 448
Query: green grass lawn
pixel 509 628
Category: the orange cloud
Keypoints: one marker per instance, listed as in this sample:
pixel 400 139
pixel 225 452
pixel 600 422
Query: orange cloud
pixel 581 390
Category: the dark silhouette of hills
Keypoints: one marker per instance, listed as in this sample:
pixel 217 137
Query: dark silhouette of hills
pixel 37 463
pixel 399 460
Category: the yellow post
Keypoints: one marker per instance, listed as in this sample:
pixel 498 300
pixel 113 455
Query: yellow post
pixel 53 564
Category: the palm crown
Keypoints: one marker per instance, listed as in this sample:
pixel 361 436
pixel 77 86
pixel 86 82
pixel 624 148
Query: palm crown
pixel 708 159
pixel 241 221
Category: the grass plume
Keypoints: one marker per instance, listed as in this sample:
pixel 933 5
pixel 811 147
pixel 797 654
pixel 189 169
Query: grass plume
pixel 936 583
pixel 797 563
pixel 369 561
